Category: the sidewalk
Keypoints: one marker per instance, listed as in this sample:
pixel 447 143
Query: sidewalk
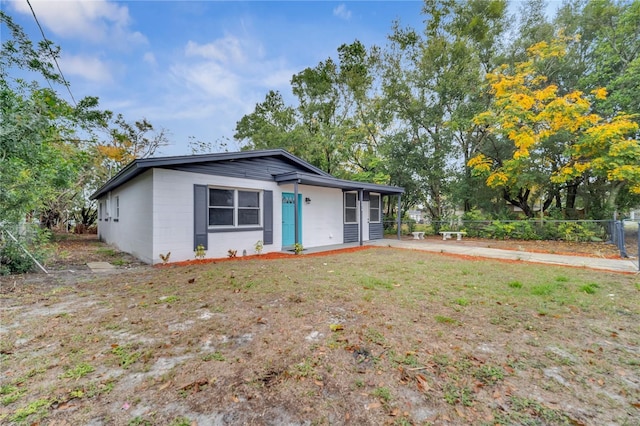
pixel 615 265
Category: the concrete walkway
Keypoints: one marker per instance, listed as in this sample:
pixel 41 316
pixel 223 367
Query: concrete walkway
pixel 615 265
pixel 100 266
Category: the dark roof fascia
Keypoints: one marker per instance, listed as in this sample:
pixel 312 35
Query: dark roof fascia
pixel 332 182
pixel 138 166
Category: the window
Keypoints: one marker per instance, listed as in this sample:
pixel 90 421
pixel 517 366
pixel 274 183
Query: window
pixel 100 210
pixel 234 207
pixel 374 208
pixel 117 209
pixel 350 207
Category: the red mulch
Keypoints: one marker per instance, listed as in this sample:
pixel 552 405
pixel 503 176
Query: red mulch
pixel 266 256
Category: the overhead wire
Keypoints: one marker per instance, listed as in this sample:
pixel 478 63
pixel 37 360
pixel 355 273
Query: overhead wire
pixel 53 56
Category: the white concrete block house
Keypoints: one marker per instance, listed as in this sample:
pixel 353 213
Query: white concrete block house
pixel 229 201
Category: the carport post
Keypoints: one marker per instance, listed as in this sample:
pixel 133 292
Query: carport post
pixel 399 218
pixel 295 212
pixel 360 196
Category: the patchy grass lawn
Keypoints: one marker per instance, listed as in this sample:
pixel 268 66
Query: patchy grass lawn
pixel 379 336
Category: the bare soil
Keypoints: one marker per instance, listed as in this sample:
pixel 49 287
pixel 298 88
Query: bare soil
pixel 592 249
pixel 374 336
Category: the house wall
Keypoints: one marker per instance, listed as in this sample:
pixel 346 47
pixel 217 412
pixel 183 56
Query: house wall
pixel 131 231
pixel 173 216
pixel 322 218
pixel 157 216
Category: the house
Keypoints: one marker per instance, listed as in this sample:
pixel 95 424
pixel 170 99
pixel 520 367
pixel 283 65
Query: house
pixel 230 201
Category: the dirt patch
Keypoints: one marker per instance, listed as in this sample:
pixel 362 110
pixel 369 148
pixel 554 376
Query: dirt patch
pixel 592 249
pixel 375 336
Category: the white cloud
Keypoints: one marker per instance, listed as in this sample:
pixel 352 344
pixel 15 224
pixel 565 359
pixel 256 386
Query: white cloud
pixel 226 50
pixel 342 12
pixel 96 21
pixel 278 78
pixel 150 58
pixel 88 68
pixel 228 71
pixel 208 78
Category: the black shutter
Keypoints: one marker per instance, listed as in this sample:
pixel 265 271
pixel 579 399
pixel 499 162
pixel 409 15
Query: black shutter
pixel 200 213
pixel 268 217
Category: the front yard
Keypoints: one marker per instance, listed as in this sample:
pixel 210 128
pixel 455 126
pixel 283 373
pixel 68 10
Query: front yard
pixel 378 336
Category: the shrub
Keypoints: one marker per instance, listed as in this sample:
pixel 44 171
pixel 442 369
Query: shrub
pixel 13 259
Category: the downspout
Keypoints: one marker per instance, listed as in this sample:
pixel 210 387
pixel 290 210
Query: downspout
pixel 360 196
pixel 295 211
pixel 399 217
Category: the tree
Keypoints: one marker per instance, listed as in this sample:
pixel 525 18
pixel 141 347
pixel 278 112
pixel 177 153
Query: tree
pixel 128 141
pixel 42 158
pixel 432 84
pixel 530 112
pixel 336 124
pixel 270 125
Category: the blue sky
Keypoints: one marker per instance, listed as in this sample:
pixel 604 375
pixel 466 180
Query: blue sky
pixel 196 67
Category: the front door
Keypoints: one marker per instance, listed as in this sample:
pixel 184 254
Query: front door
pixel 288 219
pixel 365 220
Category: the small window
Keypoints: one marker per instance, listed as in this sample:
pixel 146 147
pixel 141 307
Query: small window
pixel 374 208
pixel 248 208
pixel 350 207
pixel 117 209
pixel 221 207
pixel 100 210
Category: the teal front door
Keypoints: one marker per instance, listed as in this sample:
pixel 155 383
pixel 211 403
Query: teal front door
pixel 289 221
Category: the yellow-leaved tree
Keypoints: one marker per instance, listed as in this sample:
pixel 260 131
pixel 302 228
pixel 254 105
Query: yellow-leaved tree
pixel 551 139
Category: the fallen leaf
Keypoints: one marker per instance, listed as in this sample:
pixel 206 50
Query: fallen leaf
pixel 423 385
pixel 394 412
pixel 336 327
pixel 372 406
pixel 261 321
pixel 191 280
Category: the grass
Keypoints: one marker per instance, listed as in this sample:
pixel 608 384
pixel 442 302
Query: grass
pixel 214 356
pixel 383 393
pixel 78 371
pixel 415 334
pixel 125 355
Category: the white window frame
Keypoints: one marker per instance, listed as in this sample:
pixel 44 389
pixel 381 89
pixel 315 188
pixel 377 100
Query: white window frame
pixel 236 208
pixel 116 210
pixel 378 207
pixel 354 208
pixel 100 210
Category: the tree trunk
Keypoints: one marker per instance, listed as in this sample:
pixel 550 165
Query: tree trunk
pixel 521 201
pixel 613 195
pixel 570 206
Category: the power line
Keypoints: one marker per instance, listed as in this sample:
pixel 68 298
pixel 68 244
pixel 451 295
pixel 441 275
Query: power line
pixel 64 80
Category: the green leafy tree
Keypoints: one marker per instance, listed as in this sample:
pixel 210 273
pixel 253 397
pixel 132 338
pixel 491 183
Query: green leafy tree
pixel 42 156
pixel 432 83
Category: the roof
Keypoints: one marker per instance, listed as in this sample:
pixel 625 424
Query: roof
pixel 331 182
pixel 309 174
